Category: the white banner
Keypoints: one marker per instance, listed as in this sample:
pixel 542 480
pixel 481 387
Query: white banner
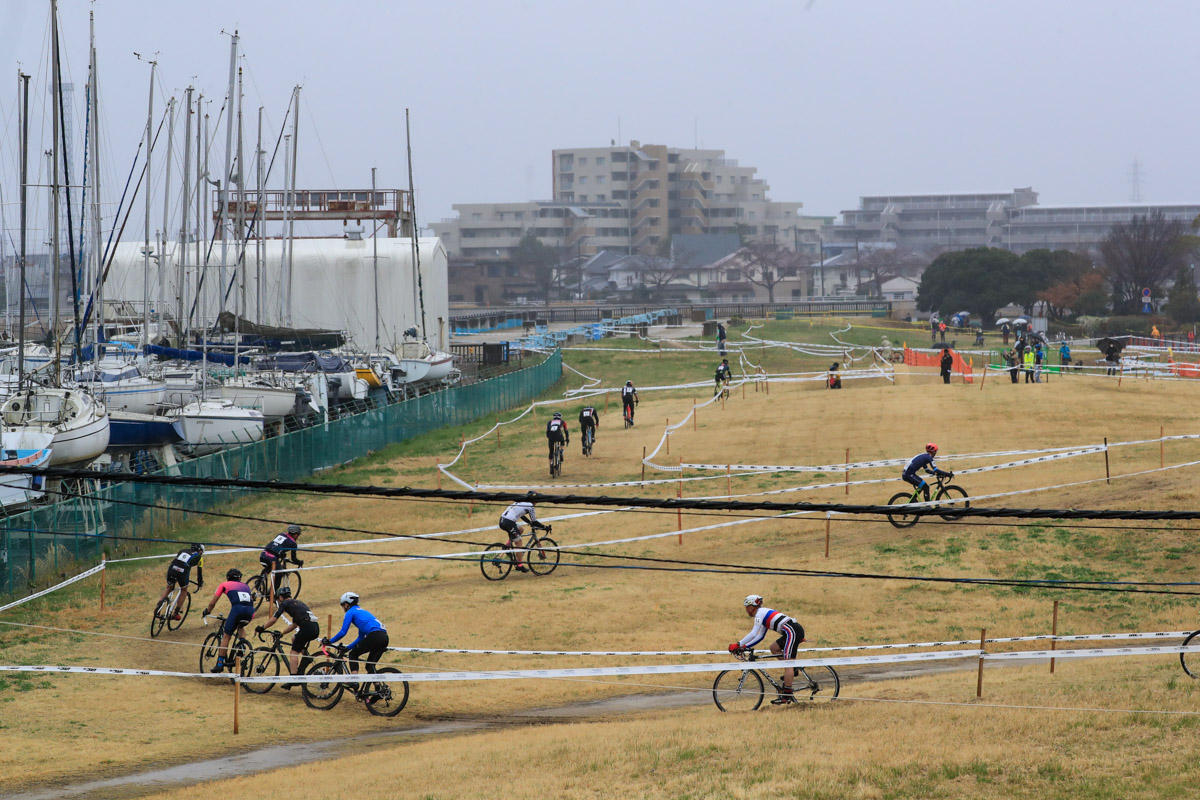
pixel 54 588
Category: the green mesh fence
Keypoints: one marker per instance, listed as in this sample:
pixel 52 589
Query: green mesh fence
pixel 34 542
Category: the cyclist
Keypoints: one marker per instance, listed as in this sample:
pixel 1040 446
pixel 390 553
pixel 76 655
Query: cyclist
pixel 372 636
pixel 303 621
pixel 556 431
pixel 510 523
pixel 179 573
pixel 723 374
pixel 241 609
pixel 629 399
pixel 589 417
pixel 275 556
pixel 923 461
pixel 791 634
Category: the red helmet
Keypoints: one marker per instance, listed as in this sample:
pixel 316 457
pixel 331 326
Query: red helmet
pixel 931 448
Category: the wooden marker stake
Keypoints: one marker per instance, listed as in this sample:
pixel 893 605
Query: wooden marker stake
pixel 1107 476
pixel 679 495
pixel 1054 633
pixel 982 648
pixel 103 578
pixel 983 380
pixel 827 515
pixel 643 463
pixel 693 415
pixel 438 472
pixel 329 627
pixel 497 429
pixel 668 436
pixel 237 693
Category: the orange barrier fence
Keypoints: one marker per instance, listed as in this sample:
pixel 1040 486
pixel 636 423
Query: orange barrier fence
pixel 915 358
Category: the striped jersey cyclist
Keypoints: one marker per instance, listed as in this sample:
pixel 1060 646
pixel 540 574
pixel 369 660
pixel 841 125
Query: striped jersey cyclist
pixel 510 523
pixel 791 634
pixel 923 461
pixel 241 610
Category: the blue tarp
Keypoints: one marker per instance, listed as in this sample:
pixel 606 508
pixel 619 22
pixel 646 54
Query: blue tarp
pixel 193 355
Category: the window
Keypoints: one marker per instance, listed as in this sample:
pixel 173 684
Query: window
pixel 619 155
pixel 583 161
pixel 620 176
pixel 720 179
pixel 500 215
pixel 599 198
pixel 583 198
pixel 599 161
pixel 519 214
pixel 493 270
pixel 731 275
pixel 582 180
pixel 600 179
pixel 620 194
pixel 753 197
pixel 476 217
pixel 513 271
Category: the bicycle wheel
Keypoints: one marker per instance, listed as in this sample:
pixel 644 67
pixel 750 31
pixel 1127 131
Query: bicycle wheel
pixel 240 651
pixel 209 651
pixel 738 690
pixel 181 610
pixel 258 589
pixel 322 696
pixel 953 512
pixel 543 557
pixel 294 580
pixel 897 518
pixel 1191 661
pixel 496 562
pixel 816 683
pixel 387 698
pixel 159 618
pixel 263 663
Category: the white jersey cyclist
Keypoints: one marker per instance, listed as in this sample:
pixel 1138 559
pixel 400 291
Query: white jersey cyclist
pixel 517 511
pixel 768 619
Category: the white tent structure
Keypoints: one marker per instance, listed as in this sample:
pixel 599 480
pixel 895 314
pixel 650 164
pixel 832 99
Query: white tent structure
pixel 333 286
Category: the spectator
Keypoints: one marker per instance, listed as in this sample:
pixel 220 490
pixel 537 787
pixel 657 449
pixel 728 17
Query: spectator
pixel 1004 332
pixel 1028 361
pixel 1064 354
pixel 1010 358
pixel 835 380
pixel 1039 355
pixel 720 339
pixel 979 336
pixel 933 330
pixel 1154 332
pixel 942 331
pixel 947 364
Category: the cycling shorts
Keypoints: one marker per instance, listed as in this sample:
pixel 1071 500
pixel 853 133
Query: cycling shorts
pixel 792 634
pixel 237 615
pixel 305 633
pixel 268 560
pixel 509 527
pixel 178 574
pixel 913 478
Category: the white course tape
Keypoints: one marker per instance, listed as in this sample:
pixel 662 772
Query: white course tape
pixel 154 673
pixel 55 587
pixel 1093 653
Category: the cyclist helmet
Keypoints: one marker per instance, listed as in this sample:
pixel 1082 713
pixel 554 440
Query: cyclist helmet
pixel 293 530
pixel 558 415
pixel 283 592
pixel 629 383
pixel 197 547
pixel 349 599
pixel 931 448
pixel 753 600
pixel 234 574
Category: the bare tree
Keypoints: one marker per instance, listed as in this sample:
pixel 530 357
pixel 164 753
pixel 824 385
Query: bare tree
pixel 885 263
pixel 655 272
pixel 767 265
pixel 1143 253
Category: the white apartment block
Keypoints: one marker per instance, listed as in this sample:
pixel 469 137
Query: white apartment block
pixel 630 199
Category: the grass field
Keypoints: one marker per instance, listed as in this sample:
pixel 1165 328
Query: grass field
pixel 61 728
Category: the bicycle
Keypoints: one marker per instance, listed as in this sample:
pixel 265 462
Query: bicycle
pixel 239 648
pixel 259 588
pixel 589 438
pixel 382 698
pixel 556 459
pixel 1191 661
pixel 945 491
pixel 168 607
pixel 628 411
pixel 541 556
pixel 742 689
pixel 265 662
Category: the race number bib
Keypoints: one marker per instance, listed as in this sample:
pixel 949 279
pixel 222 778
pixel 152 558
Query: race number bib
pixel 243 598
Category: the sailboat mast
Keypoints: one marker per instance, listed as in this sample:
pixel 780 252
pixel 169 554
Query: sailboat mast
pixel 145 338
pixel 292 219
pixel 180 269
pixel 23 79
pixel 160 302
pixel 225 176
pixel 259 244
pixel 97 224
pixel 287 239
pixel 375 260
pixel 241 206
pixel 54 190
pixel 419 293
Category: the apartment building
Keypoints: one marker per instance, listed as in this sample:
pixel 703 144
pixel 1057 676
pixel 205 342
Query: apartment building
pixel 1010 220
pixel 631 199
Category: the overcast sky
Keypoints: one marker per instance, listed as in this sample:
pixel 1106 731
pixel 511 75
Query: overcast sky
pixel 829 99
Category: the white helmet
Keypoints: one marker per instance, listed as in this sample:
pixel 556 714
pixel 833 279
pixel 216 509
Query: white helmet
pixel 753 600
pixel 349 598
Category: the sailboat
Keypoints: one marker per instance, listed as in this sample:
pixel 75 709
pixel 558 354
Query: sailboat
pixel 76 422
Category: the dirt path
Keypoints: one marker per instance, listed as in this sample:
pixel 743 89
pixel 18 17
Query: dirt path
pixel 293 753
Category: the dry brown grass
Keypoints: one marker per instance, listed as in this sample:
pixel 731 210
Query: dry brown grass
pixel 64 727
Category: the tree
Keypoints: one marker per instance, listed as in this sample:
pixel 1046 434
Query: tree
pixel 1058 278
pixel 1143 254
pixel 885 263
pixel 766 265
pixel 980 280
pixel 655 272
pixel 1182 304
pixel 532 256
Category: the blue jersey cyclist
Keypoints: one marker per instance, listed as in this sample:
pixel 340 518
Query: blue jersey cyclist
pixel 923 461
pixel 241 610
pixel 372 636
pixel 791 634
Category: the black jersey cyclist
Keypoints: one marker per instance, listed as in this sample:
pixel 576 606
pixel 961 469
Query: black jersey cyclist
pixel 791 634
pixel 275 555
pixel 589 418
pixel 556 431
pixel 241 610
pixel 629 398
pixel 724 373
pixel 179 574
pixel 303 621
pixel 923 461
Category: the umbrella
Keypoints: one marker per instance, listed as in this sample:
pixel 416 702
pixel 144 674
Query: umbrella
pixel 1021 321
pixel 1003 321
pixel 1106 344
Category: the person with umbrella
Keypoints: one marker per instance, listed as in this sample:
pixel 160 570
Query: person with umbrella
pixel 1004 329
